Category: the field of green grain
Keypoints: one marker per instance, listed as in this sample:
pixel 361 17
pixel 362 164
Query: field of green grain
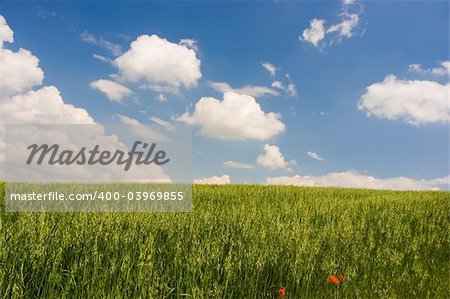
pixel 239 242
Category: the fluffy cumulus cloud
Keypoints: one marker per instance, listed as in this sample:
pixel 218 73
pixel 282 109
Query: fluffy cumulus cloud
pixel 236 117
pixel 113 90
pixel 24 101
pixel 19 71
pixel 250 90
pixel 351 179
pixel 215 180
pixel 238 165
pixel 19 102
pixel 43 106
pixel 273 158
pixel 442 70
pixel 159 64
pixel 315 156
pixel 416 102
pixel 6 34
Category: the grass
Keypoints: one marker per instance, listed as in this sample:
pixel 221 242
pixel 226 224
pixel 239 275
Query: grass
pixel 239 242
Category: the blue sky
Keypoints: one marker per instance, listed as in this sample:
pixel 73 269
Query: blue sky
pixel 232 41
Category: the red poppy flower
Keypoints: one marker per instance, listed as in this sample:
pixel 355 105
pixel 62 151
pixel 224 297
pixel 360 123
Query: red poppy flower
pixel 334 280
pixel 281 292
pixel 341 277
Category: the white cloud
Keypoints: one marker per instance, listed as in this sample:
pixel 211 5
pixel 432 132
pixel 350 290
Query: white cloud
pixel 236 117
pixel 215 180
pixel 19 103
pixel 415 67
pixel 344 29
pixel 315 33
pixel 269 67
pixel 111 47
pixel 273 158
pixel 126 120
pixel 160 65
pixel 350 19
pixel 277 84
pixel 291 89
pixel 43 106
pixel 19 71
pixel 190 43
pixel 315 156
pixel 141 130
pixel 44 13
pixel 165 124
pixel 161 89
pixel 239 165
pixel 22 101
pixel 6 34
pixel 250 90
pixel 113 90
pixel 442 70
pixel 161 98
pixel 103 59
pixel 412 101
pixel 351 179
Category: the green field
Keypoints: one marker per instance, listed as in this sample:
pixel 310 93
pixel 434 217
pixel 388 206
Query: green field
pixel 239 242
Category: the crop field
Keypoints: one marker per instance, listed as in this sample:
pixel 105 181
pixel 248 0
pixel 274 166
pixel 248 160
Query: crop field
pixel 240 241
